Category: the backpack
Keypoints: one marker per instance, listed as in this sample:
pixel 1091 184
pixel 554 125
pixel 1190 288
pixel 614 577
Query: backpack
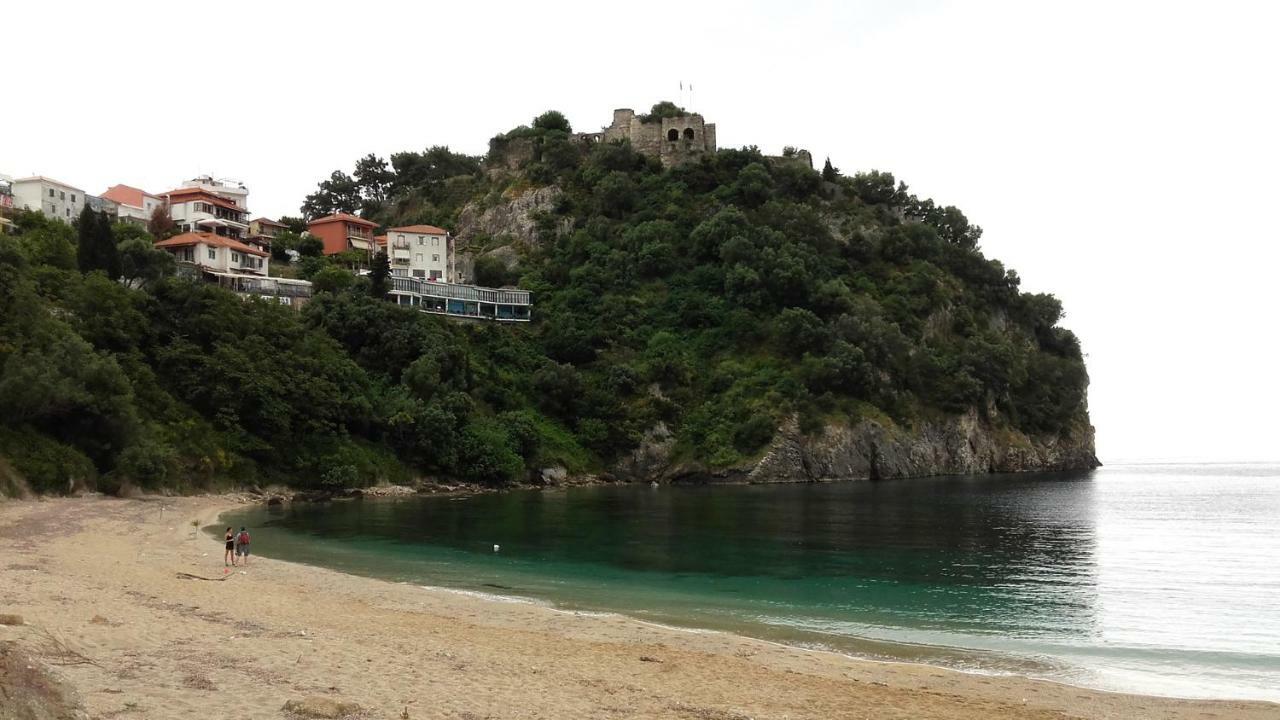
pixel 243 539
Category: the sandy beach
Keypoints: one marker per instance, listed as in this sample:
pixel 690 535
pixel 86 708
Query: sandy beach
pixel 100 587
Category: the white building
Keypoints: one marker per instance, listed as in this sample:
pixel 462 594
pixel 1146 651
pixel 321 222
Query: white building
pixel 420 251
pixel 216 253
pixel 196 209
pixel 54 199
pixel 135 205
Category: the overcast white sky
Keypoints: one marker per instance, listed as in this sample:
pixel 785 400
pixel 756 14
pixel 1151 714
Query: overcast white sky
pixel 1123 156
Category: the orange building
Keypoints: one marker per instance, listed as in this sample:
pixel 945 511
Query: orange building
pixel 343 232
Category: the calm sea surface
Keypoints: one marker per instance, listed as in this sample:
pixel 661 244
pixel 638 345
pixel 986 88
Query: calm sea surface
pixel 1161 579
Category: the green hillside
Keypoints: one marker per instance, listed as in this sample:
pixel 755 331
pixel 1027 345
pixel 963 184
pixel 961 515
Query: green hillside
pixel 720 298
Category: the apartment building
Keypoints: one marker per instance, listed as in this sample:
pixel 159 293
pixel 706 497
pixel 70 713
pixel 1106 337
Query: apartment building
pixel 55 199
pixel 419 251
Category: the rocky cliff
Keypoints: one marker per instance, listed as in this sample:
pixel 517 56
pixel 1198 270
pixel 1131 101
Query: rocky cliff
pixel 869 450
pixel 504 229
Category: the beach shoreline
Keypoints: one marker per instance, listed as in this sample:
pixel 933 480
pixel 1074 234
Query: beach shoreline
pixel 103 576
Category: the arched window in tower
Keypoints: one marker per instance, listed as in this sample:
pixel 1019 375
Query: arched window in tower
pixel 673 135
pixel 688 133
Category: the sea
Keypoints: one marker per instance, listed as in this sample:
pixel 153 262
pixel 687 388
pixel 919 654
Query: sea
pixel 1160 579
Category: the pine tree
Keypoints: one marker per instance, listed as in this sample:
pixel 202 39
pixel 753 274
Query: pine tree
pixel 829 173
pixel 379 275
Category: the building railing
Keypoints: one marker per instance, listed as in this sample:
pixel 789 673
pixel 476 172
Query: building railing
pixel 450 291
pixel 462 300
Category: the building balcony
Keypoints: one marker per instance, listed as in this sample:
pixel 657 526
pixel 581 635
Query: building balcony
pixel 215 222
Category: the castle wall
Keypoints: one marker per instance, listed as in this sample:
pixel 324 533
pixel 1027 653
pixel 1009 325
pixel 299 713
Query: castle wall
pixel 693 136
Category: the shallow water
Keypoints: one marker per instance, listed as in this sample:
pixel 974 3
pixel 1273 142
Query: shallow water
pixel 1161 579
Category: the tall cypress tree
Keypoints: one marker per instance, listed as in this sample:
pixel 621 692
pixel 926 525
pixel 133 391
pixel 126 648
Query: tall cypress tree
pixel 379 275
pixel 829 173
pixel 107 252
pixel 87 232
pixel 97 244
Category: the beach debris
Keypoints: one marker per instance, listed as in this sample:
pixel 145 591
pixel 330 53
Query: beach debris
pixel 321 707
pixel 405 715
pixel 649 658
pixel 496 547
pixel 189 576
pixel 60 653
pixel 11 620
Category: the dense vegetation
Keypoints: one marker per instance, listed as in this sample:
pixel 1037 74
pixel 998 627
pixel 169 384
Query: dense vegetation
pixel 720 298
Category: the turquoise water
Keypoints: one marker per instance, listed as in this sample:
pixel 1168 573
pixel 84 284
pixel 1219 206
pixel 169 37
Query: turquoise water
pixel 1161 579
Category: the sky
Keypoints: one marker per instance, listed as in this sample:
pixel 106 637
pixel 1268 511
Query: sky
pixel 1124 156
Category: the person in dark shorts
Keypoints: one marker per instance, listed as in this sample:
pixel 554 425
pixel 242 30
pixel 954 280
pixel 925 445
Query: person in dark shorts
pixel 229 556
pixel 242 545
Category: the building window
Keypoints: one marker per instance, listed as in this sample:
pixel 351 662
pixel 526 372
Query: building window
pixel 435 274
pixel 213 254
pixel 419 273
pixel 68 212
pixel 62 194
pixel 400 238
pixel 435 241
pixel 421 241
pixel 50 192
pixel 73 197
pixel 417 258
pixel 688 133
pixel 673 135
pixel 235 257
pixel 435 258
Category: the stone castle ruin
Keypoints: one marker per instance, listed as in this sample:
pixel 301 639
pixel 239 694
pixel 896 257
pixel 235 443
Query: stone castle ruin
pixel 673 140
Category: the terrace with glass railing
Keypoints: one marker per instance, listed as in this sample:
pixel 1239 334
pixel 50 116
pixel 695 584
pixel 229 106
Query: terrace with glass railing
pixel 468 301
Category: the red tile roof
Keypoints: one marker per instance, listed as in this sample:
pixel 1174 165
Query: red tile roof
pixel 196 238
pixel 421 230
pixel 342 217
pixel 182 195
pixel 268 221
pixel 127 195
pixel 380 239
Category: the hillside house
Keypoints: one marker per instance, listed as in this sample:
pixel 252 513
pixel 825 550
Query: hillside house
pixel 342 232
pixel 134 205
pixel 217 253
pixel 197 210
pixel 419 251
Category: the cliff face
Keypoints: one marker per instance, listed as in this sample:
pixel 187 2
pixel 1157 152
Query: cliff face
pixel 510 224
pixel 868 450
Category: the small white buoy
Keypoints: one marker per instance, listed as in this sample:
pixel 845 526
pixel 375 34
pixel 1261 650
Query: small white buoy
pixel 497 547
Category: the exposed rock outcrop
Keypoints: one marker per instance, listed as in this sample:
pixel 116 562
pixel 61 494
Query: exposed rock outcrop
pixel 508 225
pixel 514 217
pixel 869 450
pixel 652 458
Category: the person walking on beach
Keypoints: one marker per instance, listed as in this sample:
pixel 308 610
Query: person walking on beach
pixel 242 545
pixel 229 557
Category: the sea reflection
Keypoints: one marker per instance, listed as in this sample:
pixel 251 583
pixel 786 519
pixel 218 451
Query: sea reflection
pixel 1002 555
pixel 1155 579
